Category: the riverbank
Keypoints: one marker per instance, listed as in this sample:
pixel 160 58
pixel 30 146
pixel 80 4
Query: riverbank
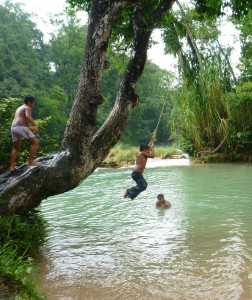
pixel 120 157
pixel 245 157
pixel 21 237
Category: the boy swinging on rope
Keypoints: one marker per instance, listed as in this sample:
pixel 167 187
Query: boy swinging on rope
pixel 146 151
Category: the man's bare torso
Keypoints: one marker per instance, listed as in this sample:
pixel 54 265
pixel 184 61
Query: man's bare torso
pixel 21 114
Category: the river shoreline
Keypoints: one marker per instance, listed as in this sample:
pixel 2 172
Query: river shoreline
pixel 210 158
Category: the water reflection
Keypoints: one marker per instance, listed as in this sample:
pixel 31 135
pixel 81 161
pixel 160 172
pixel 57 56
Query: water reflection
pixel 161 212
pixel 102 246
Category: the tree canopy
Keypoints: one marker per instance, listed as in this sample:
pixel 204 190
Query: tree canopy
pixel 22 62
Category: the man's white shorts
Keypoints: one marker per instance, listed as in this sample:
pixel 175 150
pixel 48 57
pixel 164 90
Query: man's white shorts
pixel 19 132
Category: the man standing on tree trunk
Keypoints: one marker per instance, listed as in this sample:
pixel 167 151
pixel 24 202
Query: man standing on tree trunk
pixel 20 129
pixel 146 151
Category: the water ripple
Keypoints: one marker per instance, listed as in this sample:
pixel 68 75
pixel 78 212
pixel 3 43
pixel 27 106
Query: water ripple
pixel 102 246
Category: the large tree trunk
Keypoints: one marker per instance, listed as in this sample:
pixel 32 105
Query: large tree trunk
pixel 82 151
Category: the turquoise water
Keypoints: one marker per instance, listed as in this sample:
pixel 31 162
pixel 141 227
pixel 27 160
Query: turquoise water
pixel 102 246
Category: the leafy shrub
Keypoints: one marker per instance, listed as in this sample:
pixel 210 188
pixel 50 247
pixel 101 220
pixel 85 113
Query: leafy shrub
pixel 20 238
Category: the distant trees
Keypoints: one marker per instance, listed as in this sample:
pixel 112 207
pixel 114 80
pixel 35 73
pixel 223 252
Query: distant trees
pixel 244 25
pixel 65 54
pixel 23 66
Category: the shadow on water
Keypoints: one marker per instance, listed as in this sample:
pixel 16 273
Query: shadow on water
pixel 102 246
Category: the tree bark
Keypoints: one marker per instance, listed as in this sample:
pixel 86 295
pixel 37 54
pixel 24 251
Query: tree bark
pixel 82 151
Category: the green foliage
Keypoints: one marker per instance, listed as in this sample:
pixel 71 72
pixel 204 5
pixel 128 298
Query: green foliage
pixel 26 233
pixel 166 152
pixel 19 272
pixel 191 40
pixel 215 8
pixel 23 67
pixel 153 90
pixel 245 27
pixel 122 32
pixel 7 111
pixel 209 114
pixel 198 114
pixel 171 34
pixel 21 237
pixel 240 118
pixel 203 115
pixel 240 8
pixel 65 54
pixel 23 70
pixel 53 110
pixel 122 154
pixel 109 87
pixel 81 4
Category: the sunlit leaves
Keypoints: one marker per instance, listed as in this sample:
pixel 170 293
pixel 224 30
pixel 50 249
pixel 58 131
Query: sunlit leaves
pixel 215 8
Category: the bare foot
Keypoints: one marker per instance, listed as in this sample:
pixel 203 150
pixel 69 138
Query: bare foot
pixel 12 170
pixel 33 163
pixel 125 194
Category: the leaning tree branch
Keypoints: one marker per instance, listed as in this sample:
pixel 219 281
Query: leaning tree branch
pixel 81 152
pixel 114 125
pixel 127 99
pixel 27 187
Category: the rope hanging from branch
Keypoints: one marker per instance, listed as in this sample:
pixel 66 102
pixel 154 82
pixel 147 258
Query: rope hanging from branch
pixel 155 131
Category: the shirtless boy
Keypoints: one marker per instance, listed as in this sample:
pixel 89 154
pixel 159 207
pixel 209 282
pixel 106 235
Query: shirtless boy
pixel 161 202
pixel 20 129
pixel 146 151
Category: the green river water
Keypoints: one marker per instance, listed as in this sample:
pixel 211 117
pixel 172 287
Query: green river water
pixel 102 246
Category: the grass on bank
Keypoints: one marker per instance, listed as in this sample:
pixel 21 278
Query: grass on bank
pixel 125 155
pixel 20 240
